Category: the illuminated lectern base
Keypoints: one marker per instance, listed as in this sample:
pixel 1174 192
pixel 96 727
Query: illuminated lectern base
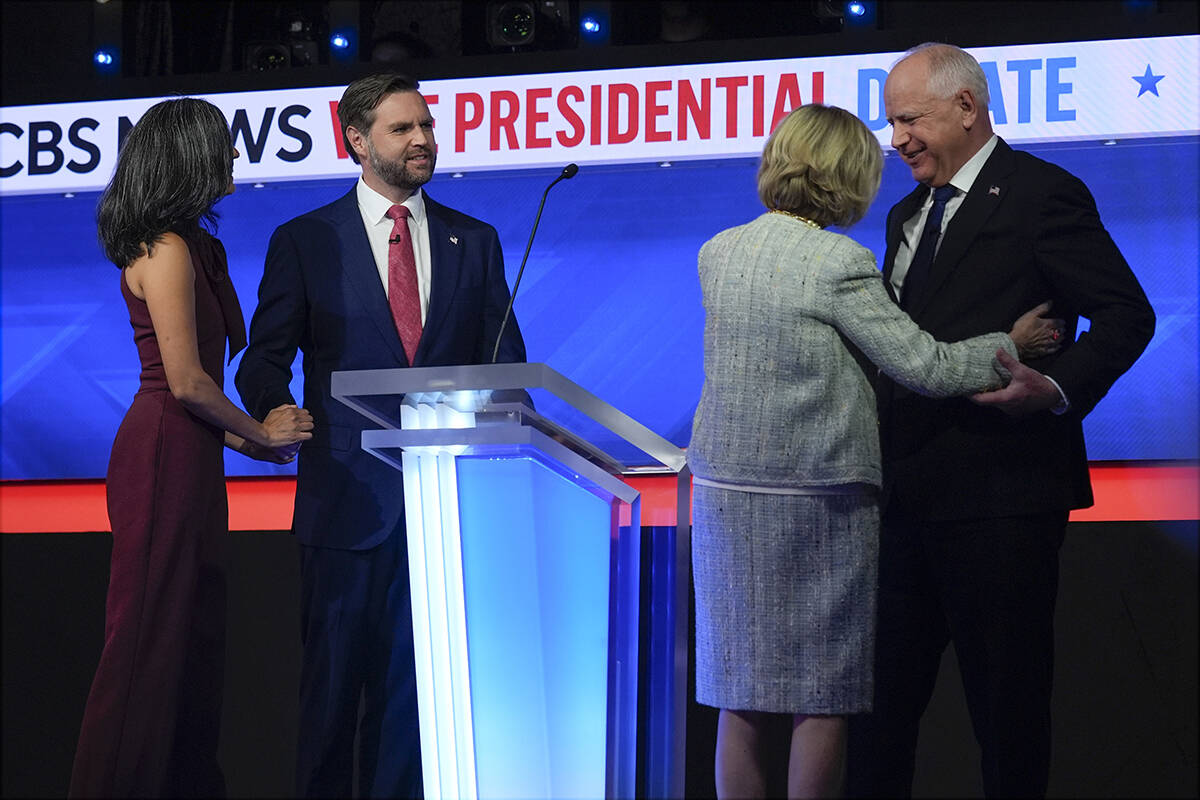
pixel 538 635
pixel 525 590
pixel 512 538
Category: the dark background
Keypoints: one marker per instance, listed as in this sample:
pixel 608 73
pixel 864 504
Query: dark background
pixel 194 46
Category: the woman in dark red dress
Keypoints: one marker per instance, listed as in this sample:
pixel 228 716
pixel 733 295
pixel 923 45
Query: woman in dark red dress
pixel 154 712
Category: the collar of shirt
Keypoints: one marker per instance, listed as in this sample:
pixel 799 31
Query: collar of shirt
pixel 963 180
pixel 374 207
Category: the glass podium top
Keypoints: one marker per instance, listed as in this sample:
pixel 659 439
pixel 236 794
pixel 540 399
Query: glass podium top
pixel 525 394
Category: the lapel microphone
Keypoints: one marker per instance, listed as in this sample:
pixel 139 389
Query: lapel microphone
pixel 568 172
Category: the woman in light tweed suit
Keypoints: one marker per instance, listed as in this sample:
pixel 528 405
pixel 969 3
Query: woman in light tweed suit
pixel 785 451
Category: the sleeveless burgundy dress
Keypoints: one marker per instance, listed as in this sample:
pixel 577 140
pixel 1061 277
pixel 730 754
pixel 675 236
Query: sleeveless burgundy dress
pixel 153 715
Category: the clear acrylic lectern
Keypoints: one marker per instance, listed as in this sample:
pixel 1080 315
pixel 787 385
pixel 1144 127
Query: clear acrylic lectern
pixel 525 584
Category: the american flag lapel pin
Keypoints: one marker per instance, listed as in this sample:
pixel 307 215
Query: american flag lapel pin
pixel 995 190
pixel 453 240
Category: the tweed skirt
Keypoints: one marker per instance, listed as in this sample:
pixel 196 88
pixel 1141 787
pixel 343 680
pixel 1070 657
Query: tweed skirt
pixel 785 600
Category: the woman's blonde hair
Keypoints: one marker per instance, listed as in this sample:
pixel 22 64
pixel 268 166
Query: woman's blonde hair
pixel 823 163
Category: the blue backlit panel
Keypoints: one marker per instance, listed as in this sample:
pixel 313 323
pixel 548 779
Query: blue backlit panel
pixel 609 298
pixel 537 599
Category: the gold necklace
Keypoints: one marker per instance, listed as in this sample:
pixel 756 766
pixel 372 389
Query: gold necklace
pixel 805 220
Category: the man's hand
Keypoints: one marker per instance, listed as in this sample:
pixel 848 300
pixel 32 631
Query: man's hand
pixel 287 425
pixel 1028 392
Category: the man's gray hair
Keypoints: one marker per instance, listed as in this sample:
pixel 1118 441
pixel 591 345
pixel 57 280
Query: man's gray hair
pixel 952 69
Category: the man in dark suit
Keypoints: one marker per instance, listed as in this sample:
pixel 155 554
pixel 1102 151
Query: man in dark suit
pixel 382 278
pixel 977 494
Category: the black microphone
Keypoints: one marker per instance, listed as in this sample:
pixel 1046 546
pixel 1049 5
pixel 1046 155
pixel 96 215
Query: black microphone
pixel 394 240
pixel 568 172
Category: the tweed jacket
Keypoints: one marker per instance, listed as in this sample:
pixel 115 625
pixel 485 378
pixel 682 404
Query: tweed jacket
pixel 793 314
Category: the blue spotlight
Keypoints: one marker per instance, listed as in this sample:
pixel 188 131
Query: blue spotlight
pixel 859 14
pixel 593 28
pixel 595 22
pixel 339 41
pixel 103 58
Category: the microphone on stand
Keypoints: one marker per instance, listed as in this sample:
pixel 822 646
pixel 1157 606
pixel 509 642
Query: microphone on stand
pixel 568 172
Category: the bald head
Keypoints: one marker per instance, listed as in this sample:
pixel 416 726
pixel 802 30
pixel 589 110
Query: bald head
pixel 936 100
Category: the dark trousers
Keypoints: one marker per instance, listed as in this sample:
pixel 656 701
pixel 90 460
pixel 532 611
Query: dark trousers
pixel 356 626
pixel 990 587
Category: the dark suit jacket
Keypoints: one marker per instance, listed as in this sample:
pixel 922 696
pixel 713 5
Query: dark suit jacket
pixel 1028 231
pixel 321 293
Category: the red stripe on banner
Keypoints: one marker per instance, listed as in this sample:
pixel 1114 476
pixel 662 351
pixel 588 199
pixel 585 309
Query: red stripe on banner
pixel 658 499
pixel 255 504
pixel 1124 491
pixel 1132 490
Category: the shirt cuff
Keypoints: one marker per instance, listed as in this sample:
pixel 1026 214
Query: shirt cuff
pixel 1064 405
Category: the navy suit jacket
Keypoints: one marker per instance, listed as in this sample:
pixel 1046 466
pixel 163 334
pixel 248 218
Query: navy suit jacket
pixel 321 294
pixel 1028 231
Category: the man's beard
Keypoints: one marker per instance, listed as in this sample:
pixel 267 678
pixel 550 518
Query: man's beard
pixel 396 173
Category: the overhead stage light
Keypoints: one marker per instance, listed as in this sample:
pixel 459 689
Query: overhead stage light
pixel 515 25
pixel 595 22
pixel 860 14
pixel 512 24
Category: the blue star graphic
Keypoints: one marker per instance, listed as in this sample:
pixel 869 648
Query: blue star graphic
pixel 1148 82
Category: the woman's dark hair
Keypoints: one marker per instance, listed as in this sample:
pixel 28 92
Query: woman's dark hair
pixel 357 107
pixel 174 166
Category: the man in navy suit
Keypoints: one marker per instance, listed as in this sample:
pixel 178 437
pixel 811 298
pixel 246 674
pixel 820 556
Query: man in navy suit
pixel 382 278
pixel 976 495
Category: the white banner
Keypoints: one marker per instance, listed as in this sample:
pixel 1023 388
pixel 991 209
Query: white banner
pixel 1132 88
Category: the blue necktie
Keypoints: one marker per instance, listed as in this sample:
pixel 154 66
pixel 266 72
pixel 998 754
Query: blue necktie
pixel 922 260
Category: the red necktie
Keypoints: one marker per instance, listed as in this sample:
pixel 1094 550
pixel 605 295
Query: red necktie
pixel 403 295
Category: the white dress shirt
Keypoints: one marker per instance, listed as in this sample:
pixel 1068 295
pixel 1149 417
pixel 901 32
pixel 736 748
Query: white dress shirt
pixel 374 207
pixel 963 180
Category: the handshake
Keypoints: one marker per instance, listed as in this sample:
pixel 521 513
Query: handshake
pixel 285 429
